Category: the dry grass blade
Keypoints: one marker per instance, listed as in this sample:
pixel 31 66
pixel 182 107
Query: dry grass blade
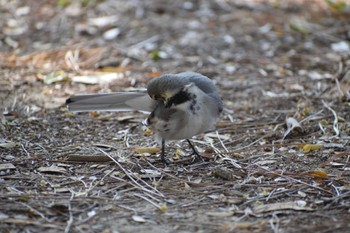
pixel 70 220
pixel 165 173
pixel 221 142
pixel 339 196
pixel 153 191
pixel 335 122
pixel 296 180
pixel 294 205
pixel 53 177
pixel 251 144
pixel 148 200
pixel 37 212
pixel 72 59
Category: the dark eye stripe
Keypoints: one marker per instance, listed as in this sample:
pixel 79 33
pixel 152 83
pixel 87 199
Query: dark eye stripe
pixel 178 98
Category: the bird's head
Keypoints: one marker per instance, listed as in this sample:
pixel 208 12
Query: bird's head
pixel 164 88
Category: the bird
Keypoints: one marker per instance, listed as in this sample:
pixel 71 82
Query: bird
pixel 181 106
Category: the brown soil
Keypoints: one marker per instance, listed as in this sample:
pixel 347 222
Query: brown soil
pixel 276 63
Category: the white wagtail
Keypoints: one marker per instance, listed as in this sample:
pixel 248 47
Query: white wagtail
pixel 182 105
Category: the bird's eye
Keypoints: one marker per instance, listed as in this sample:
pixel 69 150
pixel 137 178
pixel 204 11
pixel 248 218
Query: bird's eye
pixel 153 96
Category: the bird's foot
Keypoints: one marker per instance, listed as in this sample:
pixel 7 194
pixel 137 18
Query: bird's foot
pixel 165 162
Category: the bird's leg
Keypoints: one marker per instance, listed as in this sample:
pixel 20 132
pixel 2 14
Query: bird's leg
pixel 195 152
pixel 162 156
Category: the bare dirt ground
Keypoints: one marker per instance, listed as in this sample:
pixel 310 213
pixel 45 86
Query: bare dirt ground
pixel 279 161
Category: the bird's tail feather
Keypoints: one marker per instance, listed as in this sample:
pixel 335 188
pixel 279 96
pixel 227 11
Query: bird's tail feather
pixel 115 101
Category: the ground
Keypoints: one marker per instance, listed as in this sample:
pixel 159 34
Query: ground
pixel 278 162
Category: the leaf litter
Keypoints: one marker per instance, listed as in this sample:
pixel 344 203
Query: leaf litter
pixel 275 65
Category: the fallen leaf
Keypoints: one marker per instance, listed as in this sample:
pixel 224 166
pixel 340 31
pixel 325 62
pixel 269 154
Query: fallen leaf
pixel 220 136
pixel 88 158
pixel 3 216
pixel 138 218
pixel 91 213
pixel 178 154
pixel 292 125
pixel 54 77
pixel 125 118
pixel 52 169
pixel 62 190
pixel 276 95
pixel 95 114
pixel 6 166
pixel 208 153
pixel 103 21
pixel 110 69
pixel 10 115
pixel 148 132
pixel 154 74
pixel 8 145
pixel 150 150
pixel 294 205
pixel 306 148
pixel 216 196
pixel 187 187
pixel 150 173
pixel 266 162
pixel 223 173
pixel 97 78
pixel 163 207
pixel 300 24
pixel 341 47
pixel 197 181
pixel 302 194
pixel 324 122
pixel 318 174
pixel 335 164
pixel 337 6
pixel 111 34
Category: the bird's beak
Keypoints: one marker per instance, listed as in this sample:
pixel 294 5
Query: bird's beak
pixel 163 97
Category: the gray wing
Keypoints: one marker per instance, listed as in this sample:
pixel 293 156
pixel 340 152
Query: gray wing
pixel 115 101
